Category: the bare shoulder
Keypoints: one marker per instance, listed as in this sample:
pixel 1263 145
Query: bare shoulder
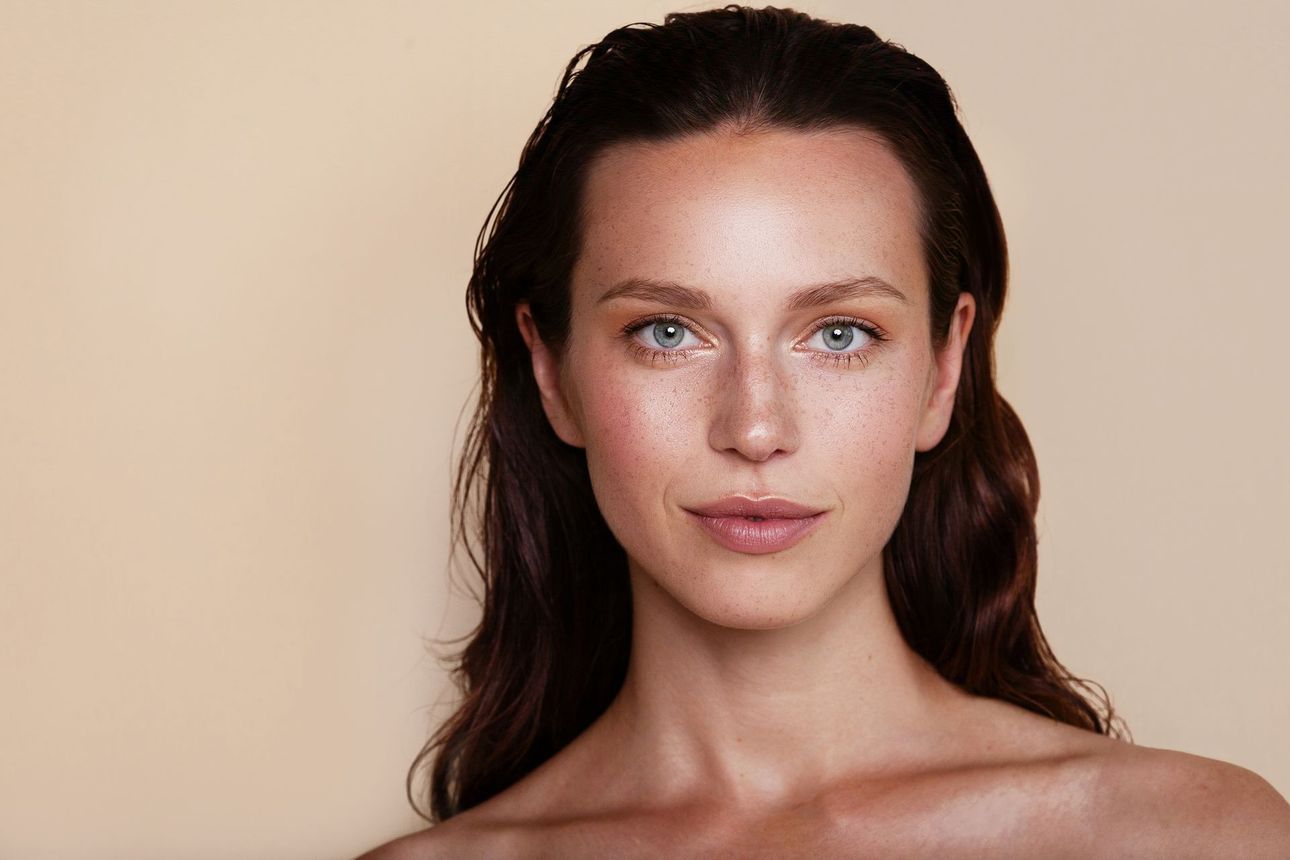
pixel 1160 802
pixel 462 837
pixel 422 844
pixel 1095 795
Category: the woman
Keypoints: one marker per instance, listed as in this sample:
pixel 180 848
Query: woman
pixel 758 530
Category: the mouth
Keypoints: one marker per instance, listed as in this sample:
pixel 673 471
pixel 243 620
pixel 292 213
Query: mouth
pixel 756 535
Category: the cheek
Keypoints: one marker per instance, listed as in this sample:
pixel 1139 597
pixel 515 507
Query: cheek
pixel 866 444
pixel 638 432
pixel 877 416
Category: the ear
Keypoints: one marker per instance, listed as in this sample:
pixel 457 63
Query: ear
pixel 943 378
pixel 546 371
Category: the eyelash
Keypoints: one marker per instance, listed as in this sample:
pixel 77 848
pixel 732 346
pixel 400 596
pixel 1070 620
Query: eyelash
pixel 836 359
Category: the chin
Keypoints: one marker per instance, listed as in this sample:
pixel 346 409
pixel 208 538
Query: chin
pixel 754 615
pixel 758 603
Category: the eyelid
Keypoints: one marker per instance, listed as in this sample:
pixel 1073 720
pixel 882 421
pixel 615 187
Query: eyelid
pixel 632 327
pixel 875 332
pixel 864 325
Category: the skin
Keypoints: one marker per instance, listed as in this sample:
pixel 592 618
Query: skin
pixel 771 706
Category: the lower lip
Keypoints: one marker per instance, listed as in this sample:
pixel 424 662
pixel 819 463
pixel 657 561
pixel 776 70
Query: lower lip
pixel 743 535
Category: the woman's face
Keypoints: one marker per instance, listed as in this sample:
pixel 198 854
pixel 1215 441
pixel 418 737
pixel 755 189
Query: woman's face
pixel 754 395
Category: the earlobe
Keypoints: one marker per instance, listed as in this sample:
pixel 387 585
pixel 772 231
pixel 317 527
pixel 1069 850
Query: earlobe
pixel 944 376
pixel 546 372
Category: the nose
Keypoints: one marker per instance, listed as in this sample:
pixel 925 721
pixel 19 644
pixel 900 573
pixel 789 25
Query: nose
pixel 756 409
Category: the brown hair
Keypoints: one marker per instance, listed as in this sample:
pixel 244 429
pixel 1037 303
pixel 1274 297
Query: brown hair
pixel 551 649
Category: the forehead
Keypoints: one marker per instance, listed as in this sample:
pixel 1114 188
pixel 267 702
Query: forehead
pixel 751 217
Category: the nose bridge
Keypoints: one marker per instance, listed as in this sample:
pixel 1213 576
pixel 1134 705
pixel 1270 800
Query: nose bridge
pixel 758 409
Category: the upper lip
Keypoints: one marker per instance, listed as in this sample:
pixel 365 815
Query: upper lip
pixel 742 506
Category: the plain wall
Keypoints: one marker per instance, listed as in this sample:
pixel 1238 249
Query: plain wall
pixel 234 358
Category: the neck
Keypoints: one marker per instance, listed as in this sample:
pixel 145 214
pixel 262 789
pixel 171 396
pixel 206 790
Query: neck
pixel 751 718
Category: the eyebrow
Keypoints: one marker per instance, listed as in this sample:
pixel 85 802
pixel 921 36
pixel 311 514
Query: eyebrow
pixel 692 298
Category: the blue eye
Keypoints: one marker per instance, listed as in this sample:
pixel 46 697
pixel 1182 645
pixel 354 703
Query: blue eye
pixel 668 331
pixel 665 332
pixel 838 331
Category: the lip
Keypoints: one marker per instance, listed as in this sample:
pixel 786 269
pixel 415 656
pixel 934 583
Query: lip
pixel 757 538
pixel 767 508
pixel 785 523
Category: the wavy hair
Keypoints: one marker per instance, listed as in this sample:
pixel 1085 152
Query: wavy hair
pixel 550 651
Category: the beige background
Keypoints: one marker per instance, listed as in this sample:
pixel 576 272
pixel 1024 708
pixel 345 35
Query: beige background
pixel 234 242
